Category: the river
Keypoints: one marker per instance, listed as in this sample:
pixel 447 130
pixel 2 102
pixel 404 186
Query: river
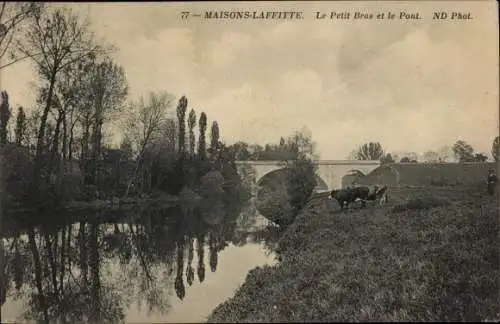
pixel 152 271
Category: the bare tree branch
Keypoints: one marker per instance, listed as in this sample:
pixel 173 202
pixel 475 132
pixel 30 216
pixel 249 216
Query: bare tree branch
pixel 145 124
pixel 11 26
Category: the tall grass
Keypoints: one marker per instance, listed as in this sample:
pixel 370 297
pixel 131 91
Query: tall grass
pixel 435 261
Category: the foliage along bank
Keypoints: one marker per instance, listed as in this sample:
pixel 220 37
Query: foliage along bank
pixel 157 170
pixel 58 152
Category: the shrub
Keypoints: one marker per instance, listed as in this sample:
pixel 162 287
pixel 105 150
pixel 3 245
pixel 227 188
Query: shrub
pixel 274 205
pixel 282 198
pixel 301 181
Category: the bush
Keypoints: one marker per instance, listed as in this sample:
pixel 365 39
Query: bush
pixel 274 205
pixel 17 173
pixel 284 196
pixel 71 187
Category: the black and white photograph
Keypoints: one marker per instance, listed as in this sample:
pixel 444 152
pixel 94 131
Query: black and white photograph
pixel 249 161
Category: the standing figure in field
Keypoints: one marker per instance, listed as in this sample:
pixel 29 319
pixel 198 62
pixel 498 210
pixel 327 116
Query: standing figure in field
pixel 492 181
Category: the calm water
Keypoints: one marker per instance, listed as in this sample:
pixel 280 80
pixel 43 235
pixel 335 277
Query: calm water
pixel 172 266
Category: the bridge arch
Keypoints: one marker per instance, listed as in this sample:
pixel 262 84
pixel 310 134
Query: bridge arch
pixel 391 177
pixel 265 177
pixel 351 177
pixel 320 183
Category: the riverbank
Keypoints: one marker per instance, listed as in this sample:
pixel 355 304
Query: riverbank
pixel 430 254
pixel 130 209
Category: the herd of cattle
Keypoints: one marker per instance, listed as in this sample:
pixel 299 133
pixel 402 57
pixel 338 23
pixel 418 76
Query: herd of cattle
pixel 377 194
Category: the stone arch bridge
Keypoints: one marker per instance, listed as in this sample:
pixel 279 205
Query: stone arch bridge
pixel 330 172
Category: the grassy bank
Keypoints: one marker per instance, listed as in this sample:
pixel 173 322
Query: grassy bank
pixel 431 254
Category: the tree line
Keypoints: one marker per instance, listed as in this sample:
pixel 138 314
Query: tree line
pixel 287 148
pixel 60 151
pixel 461 151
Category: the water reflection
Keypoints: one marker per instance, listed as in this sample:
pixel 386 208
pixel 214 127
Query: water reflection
pixel 96 272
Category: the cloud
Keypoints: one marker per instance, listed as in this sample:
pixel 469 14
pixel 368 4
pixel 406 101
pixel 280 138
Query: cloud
pixel 168 61
pixel 225 51
pixel 411 86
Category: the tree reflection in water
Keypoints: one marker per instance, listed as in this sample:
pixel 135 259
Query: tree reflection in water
pixel 92 272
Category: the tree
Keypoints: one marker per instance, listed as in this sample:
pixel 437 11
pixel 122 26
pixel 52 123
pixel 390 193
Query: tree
pixel 240 150
pixel 126 148
pixel 300 144
pixel 406 159
pixel 445 153
pixel 202 142
pixel 387 159
pixel 73 92
pixel 495 148
pixel 255 151
pixel 5 114
pixel 431 156
pixel 369 151
pixel 145 124
pixel 214 139
pixel 301 179
pixel 480 157
pixel 181 117
pixel 108 90
pixel 20 131
pixel 413 156
pixel 32 125
pixel 282 142
pixel 463 151
pixel 14 16
pixel 53 42
pixel 170 133
pixel 192 125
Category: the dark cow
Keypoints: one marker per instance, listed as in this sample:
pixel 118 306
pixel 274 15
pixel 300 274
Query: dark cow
pixel 347 196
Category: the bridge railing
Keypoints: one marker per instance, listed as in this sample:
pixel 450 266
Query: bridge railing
pixel 323 162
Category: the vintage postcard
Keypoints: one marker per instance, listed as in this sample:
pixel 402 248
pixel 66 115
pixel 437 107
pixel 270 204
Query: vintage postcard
pixel 169 162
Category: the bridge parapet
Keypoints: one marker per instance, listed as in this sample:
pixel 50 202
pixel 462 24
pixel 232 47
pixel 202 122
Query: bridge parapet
pixel 317 162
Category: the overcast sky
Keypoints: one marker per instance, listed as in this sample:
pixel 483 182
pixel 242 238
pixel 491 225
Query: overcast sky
pixel 412 86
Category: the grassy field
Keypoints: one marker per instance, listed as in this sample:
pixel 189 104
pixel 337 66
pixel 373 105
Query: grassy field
pixel 430 254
